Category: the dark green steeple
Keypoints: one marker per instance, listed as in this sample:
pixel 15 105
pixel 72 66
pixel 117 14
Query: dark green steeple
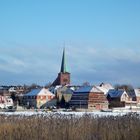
pixel 63 63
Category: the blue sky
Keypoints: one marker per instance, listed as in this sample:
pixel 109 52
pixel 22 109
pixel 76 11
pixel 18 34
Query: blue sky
pixel 102 40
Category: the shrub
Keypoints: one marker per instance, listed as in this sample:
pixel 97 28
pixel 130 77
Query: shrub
pixel 70 127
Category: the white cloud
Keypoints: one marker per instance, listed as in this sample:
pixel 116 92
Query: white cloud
pixel 86 63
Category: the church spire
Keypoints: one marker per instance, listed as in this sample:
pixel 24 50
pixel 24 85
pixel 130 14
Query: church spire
pixel 63 63
pixel 63 77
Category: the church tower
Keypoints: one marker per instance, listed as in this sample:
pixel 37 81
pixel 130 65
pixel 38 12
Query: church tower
pixel 63 77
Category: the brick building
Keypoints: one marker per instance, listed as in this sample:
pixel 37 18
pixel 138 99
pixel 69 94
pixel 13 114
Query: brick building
pixel 63 77
pixel 89 97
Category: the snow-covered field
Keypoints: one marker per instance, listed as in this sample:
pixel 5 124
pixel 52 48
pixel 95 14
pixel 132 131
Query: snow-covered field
pixel 64 113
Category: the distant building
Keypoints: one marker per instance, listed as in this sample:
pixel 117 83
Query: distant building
pixel 39 98
pixel 64 95
pixel 5 102
pixel 63 77
pixel 4 91
pixel 105 87
pixel 89 97
pixel 17 89
pixel 137 94
pixel 120 98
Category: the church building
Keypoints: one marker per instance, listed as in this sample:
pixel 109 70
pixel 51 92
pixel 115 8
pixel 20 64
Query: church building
pixel 63 77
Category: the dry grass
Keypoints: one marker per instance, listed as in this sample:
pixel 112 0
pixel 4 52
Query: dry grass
pixel 70 127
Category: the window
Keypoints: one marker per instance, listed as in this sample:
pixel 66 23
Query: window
pixel 65 80
pixel 49 97
pixel 44 97
pixel 38 97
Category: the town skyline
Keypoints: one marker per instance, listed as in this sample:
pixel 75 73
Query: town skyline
pixel 101 40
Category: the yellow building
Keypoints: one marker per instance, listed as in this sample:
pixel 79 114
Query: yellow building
pixel 39 98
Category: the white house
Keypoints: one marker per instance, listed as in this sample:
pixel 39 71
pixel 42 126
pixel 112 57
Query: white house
pixel 39 98
pixel 105 87
pixel 137 94
pixel 5 102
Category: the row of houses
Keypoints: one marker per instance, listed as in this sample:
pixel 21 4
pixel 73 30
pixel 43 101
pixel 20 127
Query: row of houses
pixel 19 89
pixel 99 97
pixel 96 97
pixel 105 96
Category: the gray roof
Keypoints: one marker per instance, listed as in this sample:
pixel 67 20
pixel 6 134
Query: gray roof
pixel 34 92
pixel 114 93
pixel 39 92
pixel 131 94
pixel 87 89
pixel 83 89
pixel 137 92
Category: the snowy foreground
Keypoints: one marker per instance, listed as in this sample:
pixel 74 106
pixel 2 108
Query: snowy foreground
pixel 64 113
